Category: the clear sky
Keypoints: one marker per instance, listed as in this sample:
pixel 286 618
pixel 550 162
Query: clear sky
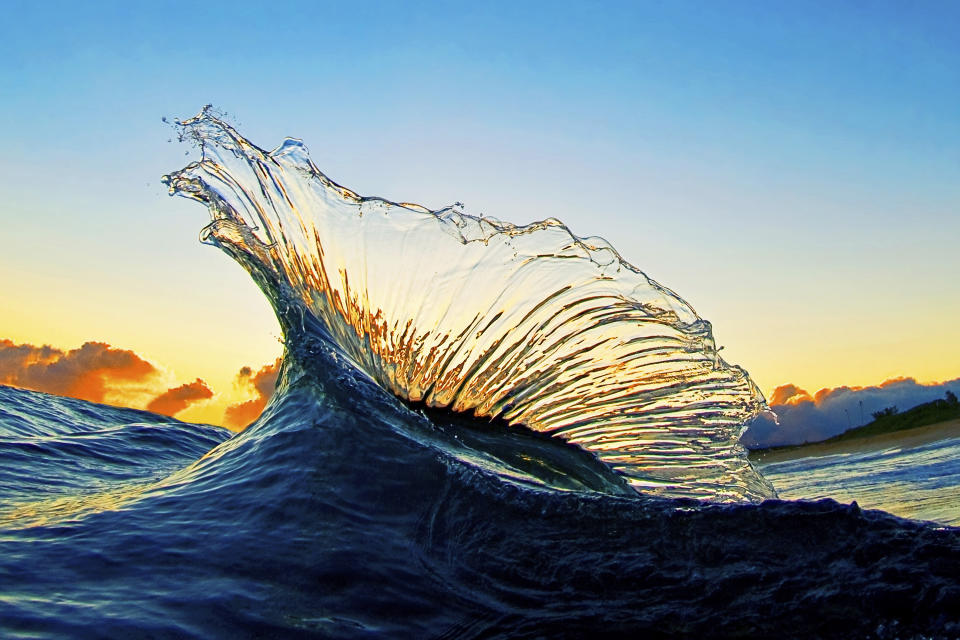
pixel 790 168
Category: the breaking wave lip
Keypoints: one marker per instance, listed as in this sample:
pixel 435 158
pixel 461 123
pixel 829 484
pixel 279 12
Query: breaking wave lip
pixel 530 325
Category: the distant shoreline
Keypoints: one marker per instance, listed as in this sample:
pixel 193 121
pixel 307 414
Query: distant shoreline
pixel 911 437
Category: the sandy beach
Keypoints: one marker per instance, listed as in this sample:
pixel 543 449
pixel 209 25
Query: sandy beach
pixel 904 439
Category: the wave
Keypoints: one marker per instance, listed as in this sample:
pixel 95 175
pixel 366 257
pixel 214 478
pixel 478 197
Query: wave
pixel 63 459
pixel 529 326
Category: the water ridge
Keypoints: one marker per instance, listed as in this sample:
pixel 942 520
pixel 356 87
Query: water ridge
pixel 528 324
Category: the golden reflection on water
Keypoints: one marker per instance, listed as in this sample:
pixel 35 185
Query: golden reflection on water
pixel 84 503
pixel 65 508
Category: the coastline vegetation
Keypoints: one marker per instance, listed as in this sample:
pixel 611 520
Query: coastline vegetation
pixel 890 420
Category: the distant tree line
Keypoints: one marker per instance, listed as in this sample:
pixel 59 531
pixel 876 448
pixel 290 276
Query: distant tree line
pixel 889 411
pixel 950 402
pixel 891 419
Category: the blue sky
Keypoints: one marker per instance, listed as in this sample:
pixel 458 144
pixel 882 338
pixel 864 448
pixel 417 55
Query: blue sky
pixel 791 169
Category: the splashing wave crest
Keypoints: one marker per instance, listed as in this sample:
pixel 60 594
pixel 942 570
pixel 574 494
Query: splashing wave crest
pixel 530 324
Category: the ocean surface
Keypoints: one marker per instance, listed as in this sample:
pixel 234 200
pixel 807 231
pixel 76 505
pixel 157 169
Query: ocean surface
pixel 914 473
pixel 479 431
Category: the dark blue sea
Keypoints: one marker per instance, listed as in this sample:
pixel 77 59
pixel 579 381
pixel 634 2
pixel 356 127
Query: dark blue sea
pixel 343 513
pixel 480 430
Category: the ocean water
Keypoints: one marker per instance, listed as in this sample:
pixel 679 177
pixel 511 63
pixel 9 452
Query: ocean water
pixel 479 431
pixel 914 474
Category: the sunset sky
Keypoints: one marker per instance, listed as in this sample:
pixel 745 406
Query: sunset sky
pixel 791 169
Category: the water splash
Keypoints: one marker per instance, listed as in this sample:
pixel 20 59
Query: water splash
pixel 529 324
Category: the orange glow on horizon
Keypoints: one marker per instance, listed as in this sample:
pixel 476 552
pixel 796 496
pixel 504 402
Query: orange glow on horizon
pixel 98 372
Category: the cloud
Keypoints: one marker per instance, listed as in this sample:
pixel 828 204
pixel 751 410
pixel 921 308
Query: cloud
pixel 829 412
pixel 262 383
pixel 90 372
pixel 789 394
pixel 99 372
pixel 175 400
